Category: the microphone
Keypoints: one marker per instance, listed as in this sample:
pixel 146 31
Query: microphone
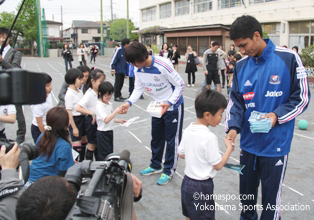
pixel 125 161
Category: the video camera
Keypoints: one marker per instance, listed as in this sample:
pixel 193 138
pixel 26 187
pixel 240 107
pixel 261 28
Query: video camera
pixel 28 152
pixel 109 195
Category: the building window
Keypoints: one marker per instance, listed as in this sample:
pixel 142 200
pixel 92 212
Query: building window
pixel 229 3
pixel 260 1
pixel 182 7
pixel 149 14
pixel 165 10
pixel 301 34
pixel 202 5
pixel 98 30
pixel 271 28
pixel 85 31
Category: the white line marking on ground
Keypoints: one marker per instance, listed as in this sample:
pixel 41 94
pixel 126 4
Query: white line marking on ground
pixel 54 97
pixel 148 148
pixel 135 137
pixel 61 64
pixel 139 107
pixel 56 70
pixel 190 111
pixel 304 136
pixel 293 190
pixel 38 67
pixel 230 157
pixel 24 66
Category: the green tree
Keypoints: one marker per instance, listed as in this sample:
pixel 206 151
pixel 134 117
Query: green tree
pixel 26 24
pixel 308 56
pixel 118 29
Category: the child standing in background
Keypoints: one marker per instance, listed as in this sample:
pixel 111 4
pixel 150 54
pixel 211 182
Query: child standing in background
pixel 74 78
pixel 87 106
pixel 105 117
pixel 40 111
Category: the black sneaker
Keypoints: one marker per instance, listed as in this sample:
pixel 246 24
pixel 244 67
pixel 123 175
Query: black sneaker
pixel 142 97
pixel 119 99
pixel 122 98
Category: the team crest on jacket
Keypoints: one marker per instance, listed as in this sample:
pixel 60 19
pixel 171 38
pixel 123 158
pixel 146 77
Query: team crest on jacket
pixel 156 78
pixel 274 79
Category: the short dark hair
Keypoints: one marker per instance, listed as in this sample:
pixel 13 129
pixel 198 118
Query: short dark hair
pixel 4 30
pixel 209 101
pixel 105 88
pixel 48 78
pixel 49 198
pixel 238 57
pixel 149 45
pixel 136 52
pixel 162 47
pixel 215 43
pixel 232 62
pixel 72 75
pixel 93 75
pixel 231 53
pixel 125 41
pixel 296 47
pixel 245 27
pixel 83 68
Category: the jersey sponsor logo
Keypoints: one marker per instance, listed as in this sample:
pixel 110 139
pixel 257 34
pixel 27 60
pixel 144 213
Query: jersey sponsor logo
pixel 250 105
pixel 248 96
pixel 5 111
pixel 273 94
pixel 274 79
pixel 301 75
pixel 161 88
pixel 247 83
pixel 148 89
pixel 154 85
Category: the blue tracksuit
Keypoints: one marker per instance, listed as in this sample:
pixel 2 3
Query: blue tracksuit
pixel 274 82
pixel 118 62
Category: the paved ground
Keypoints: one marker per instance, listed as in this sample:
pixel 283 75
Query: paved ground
pixel 163 202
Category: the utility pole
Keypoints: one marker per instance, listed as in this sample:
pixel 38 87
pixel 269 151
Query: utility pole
pixel 111 10
pixel 127 20
pixel 40 43
pixel 61 22
pixel 101 30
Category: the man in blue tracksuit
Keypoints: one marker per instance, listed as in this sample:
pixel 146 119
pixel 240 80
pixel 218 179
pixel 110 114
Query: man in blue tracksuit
pixel 118 67
pixel 269 79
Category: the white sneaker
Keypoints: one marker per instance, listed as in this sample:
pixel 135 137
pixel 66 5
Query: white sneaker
pixel 84 180
pixel 192 84
pixel 189 85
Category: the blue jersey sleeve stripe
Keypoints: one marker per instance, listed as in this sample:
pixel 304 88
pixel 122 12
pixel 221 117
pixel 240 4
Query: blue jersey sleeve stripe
pixel 303 91
pixel 163 64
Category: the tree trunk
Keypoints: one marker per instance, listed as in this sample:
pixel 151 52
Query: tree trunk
pixel 31 43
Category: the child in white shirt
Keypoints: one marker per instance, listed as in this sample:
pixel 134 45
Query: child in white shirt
pixel 40 111
pixel 105 116
pixel 199 147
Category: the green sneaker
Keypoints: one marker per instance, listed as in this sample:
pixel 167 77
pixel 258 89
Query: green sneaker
pixel 149 171
pixel 164 179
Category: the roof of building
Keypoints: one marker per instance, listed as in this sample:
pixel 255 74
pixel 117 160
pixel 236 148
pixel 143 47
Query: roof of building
pixel 87 24
pixel 53 22
pixel 212 26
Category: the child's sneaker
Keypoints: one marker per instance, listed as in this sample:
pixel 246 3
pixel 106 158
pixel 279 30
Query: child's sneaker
pixel 164 179
pixel 149 171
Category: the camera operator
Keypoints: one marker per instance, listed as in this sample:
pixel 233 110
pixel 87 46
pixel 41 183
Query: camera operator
pixel 52 198
pixel 11 58
pixel 10 185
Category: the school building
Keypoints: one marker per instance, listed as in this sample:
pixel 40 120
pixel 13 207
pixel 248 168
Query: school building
pixel 198 22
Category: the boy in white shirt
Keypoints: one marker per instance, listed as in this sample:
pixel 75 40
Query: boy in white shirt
pixel 40 111
pixel 104 116
pixel 199 147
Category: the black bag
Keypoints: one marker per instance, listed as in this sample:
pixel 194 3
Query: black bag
pixel 71 58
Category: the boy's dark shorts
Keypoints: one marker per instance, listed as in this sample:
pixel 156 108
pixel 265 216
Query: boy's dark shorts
pixel 212 76
pixel 80 124
pixel 90 130
pixel 197 204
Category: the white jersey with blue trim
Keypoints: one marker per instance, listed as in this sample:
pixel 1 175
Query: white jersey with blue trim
pixel 161 80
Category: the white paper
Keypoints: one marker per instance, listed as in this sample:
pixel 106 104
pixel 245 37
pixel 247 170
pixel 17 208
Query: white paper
pixel 75 154
pixel 154 109
pixel 130 121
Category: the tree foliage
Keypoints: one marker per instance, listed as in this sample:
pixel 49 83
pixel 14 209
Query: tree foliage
pixel 118 29
pixel 308 56
pixel 26 25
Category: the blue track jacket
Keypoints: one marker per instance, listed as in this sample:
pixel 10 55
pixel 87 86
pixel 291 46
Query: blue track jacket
pixel 118 62
pixel 274 82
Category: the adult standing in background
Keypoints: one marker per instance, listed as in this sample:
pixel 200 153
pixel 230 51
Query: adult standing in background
pixel 164 52
pixel 93 53
pixel 232 48
pixel 222 65
pixel 174 57
pixel 150 50
pixel 190 68
pixel 11 58
pixel 82 53
pixel 119 67
pixel 67 56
